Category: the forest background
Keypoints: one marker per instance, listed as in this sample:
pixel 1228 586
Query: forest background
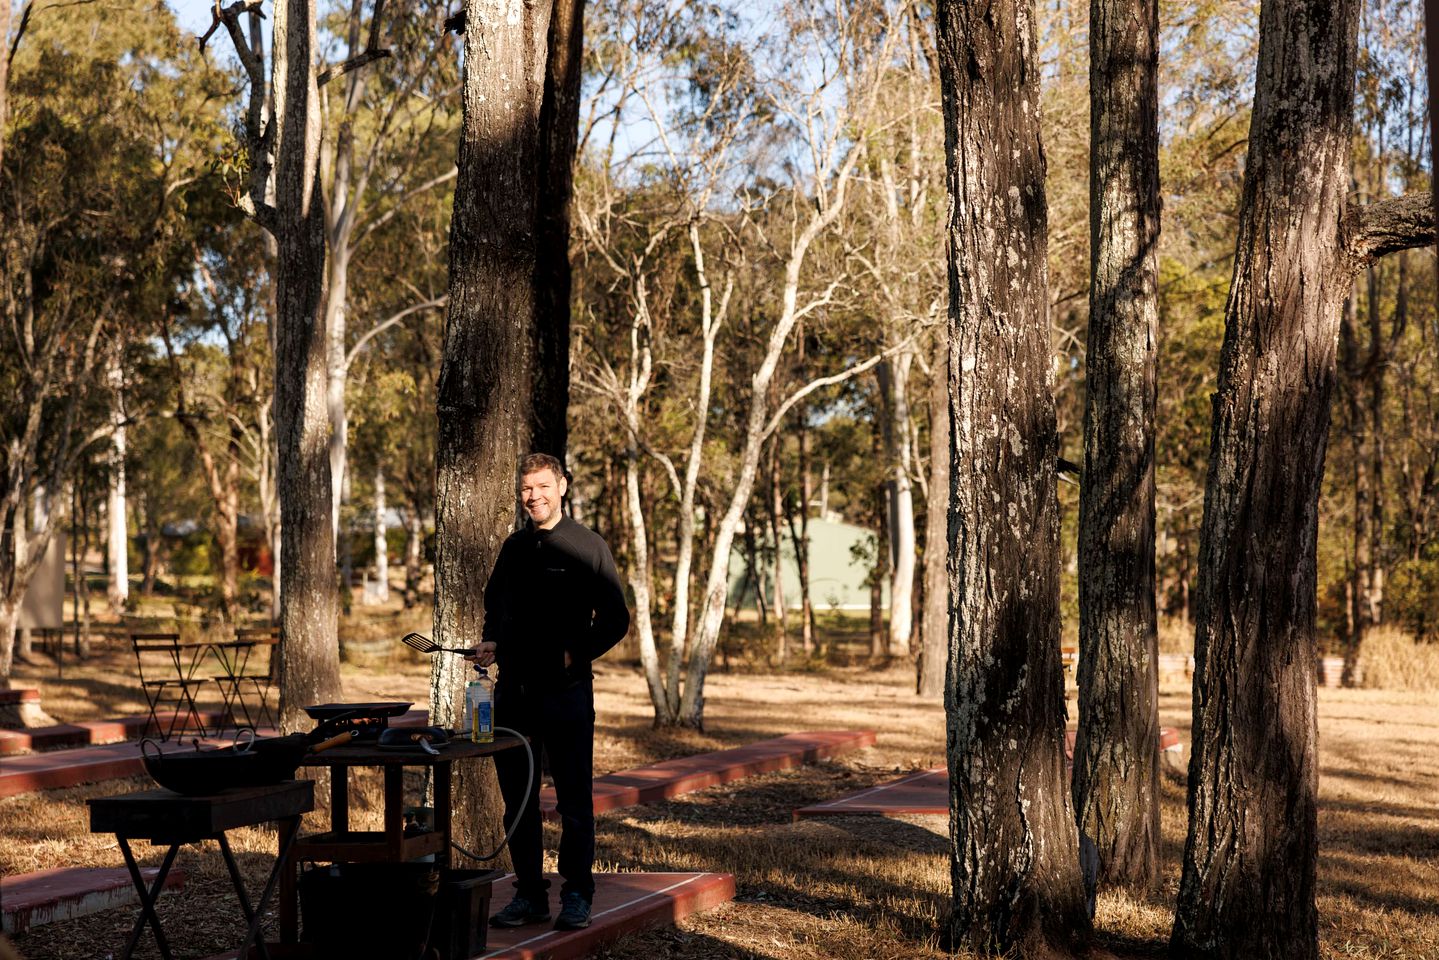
pixel 724 192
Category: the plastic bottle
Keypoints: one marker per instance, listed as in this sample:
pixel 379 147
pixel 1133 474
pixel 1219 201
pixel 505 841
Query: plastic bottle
pixel 479 707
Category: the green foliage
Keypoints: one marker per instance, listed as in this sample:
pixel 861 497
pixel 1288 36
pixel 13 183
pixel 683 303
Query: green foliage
pixel 1412 596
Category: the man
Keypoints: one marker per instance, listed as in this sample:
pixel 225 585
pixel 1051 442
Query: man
pixel 553 604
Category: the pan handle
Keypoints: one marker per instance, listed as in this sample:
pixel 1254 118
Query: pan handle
pixel 150 742
pixel 334 741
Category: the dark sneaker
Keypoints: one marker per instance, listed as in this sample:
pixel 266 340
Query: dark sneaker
pixel 574 913
pixel 520 911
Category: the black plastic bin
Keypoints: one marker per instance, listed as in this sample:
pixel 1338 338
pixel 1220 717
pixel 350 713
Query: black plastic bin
pixel 395 911
pixel 381 911
pixel 462 913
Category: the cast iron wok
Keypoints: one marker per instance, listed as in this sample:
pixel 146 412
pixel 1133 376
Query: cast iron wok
pixel 253 763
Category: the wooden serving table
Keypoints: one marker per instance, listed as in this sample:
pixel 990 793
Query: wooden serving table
pixel 165 817
pixel 340 844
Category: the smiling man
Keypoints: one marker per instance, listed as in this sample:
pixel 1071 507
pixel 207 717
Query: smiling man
pixel 553 604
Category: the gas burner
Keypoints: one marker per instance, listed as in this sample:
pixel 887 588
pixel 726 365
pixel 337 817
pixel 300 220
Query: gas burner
pixel 368 720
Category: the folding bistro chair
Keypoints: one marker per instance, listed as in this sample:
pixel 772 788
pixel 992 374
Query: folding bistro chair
pixel 243 679
pixel 167 679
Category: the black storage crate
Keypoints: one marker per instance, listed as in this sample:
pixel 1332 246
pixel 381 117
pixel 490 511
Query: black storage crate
pixel 395 911
pixel 376 910
pixel 462 913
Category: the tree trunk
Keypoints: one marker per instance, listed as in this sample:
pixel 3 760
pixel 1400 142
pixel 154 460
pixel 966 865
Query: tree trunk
pixel 559 138
pixel 894 383
pixel 801 545
pixel 5 11
pixel 382 543
pixel 336 373
pixel 772 515
pixel 485 374
pixel 309 659
pixel 640 581
pixel 414 550
pixel 9 619
pixel 1116 760
pixel 1247 888
pixel 934 655
pixel 1014 850
pixel 117 537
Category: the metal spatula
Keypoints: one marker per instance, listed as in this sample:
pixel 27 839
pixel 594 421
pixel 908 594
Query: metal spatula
pixel 424 644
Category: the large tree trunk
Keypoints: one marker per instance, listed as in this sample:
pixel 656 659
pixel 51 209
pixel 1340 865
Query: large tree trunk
pixel 309 659
pixel 1116 760
pixel 1247 888
pixel 1014 858
pixel 559 138
pixel 934 656
pixel 485 374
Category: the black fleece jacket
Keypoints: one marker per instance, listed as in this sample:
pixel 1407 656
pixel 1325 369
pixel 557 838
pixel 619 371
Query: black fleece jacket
pixel 551 592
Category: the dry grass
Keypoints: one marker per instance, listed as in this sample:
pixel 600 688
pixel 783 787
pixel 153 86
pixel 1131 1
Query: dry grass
pixel 841 888
pixel 1393 660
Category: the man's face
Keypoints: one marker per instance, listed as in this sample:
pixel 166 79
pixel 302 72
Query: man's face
pixel 541 492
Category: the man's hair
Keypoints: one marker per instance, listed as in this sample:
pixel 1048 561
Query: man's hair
pixel 535 462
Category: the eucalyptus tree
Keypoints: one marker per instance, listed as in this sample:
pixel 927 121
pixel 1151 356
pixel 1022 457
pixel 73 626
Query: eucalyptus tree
pixel 1014 854
pixel 1116 764
pixel 106 145
pixel 754 177
pixel 486 372
pixel 1250 857
pixel 283 193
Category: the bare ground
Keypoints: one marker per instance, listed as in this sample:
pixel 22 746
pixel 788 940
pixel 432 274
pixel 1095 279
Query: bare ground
pixel 834 889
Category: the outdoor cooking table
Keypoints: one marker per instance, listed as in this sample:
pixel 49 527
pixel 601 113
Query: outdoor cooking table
pixel 165 817
pixel 340 844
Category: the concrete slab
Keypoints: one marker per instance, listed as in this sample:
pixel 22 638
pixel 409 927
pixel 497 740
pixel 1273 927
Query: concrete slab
pixel 927 791
pixel 46 896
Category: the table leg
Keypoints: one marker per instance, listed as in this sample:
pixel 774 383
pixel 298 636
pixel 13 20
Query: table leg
pixel 147 900
pixel 395 810
pixel 288 829
pixel 339 799
pixel 252 917
pixel 289 906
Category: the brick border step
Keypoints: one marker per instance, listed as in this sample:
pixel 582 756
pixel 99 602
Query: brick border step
pixel 671 778
pixel 46 896
pixel 88 733
pixel 927 791
pixel 624 903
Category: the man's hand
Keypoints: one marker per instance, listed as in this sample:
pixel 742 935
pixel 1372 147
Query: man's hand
pixel 567 660
pixel 483 655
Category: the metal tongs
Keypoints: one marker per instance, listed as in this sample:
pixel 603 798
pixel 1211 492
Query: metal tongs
pixel 424 644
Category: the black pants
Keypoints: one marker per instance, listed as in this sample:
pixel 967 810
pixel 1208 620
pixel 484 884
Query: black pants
pixel 562 725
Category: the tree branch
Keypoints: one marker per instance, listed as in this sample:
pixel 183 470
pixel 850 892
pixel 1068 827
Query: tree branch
pixel 390 321
pixel 1373 230
pixel 354 63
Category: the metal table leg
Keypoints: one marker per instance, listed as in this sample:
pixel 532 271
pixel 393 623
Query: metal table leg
pixel 147 900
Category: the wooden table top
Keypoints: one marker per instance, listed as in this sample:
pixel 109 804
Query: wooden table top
pixel 370 754
pixel 165 816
